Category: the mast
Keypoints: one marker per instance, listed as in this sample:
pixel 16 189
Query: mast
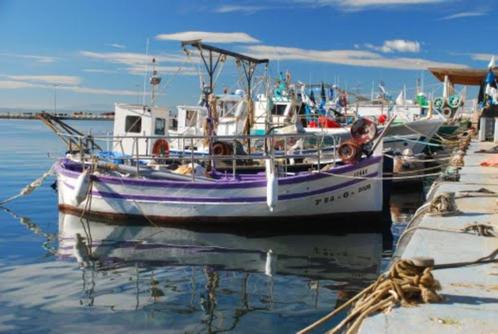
pixel 211 62
pixel 146 70
pixel 155 80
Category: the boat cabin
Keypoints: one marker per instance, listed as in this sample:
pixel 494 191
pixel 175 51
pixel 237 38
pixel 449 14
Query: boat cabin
pixel 231 110
pixel 132 121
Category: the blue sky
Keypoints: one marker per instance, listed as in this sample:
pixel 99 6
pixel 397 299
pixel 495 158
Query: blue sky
pixel 93 52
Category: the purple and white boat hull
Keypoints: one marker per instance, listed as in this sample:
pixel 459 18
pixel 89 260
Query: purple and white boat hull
pixel 342 190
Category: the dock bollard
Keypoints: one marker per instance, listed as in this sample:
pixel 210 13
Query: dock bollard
pixel 444 205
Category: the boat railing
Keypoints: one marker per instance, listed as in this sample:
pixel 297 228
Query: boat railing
pixel 284 150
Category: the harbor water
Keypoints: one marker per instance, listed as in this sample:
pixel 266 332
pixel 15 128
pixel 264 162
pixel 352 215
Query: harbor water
pixel 63 274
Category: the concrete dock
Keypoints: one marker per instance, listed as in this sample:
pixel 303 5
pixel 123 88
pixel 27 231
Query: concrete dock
pixel 470 293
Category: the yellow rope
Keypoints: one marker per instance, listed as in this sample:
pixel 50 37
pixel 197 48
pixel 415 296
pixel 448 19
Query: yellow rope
pixel 406 283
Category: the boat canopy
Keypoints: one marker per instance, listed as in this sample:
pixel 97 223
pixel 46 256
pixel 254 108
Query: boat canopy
pixel 461 76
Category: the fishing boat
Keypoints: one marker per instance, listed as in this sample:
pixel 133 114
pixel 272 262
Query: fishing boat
pixel 293 106
pixel 236 178
pixel 196 192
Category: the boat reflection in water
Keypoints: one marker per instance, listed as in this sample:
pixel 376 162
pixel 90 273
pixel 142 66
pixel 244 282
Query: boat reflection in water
pixel 218 281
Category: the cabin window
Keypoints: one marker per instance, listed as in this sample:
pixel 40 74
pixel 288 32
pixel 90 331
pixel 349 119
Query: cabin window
pixel 278 109
pixel 159 127
pixel 133 124
pixel 191 119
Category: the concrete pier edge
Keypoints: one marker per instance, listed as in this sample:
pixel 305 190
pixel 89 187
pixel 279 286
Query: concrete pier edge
pixel 470 293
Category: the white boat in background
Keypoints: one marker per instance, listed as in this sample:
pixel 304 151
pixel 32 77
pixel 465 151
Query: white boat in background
pixel 293 109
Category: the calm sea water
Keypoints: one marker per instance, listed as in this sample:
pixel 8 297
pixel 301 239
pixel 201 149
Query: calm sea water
pixel 61 274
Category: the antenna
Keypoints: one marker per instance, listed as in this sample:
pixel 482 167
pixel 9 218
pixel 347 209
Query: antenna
pixel 155 80
pixel 422 82
pixel 146 70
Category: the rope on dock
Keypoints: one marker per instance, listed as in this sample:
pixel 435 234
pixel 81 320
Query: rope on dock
pixel 28 189
pixel 407 283
pixel 482 230
pixel 444 205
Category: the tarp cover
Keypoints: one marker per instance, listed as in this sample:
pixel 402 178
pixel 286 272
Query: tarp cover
pixel 461 76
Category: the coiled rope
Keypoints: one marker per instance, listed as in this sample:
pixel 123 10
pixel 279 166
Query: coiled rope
pixel 407 283
pixel 28 189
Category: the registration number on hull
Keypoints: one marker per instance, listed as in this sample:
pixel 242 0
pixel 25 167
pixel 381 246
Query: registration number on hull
pixel 346 194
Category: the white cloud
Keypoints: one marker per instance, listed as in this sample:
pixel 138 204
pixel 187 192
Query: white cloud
pixel 183 70
pixel 67 83
pixel 38 59
pixel 48 79
pixel 99 91
pixel 130 58
pixel 345 57
pixel 117 45
pixel 8 84
pixel 365 4
pixel 462 15
pixel 483 56
pixel 238 8
pixel 138 63
pixel 396 45
pixel 212 37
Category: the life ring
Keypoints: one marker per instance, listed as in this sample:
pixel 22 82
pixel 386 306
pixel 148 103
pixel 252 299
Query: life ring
pixel 363 131
pixel 160 148
pixel 439 103
pixel 349 152
pixel 222 148
pixel 454 101
pixel 446 112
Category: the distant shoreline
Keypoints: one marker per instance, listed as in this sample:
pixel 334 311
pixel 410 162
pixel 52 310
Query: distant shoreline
pixel 62 116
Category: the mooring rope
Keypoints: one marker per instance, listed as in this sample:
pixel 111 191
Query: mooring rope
pixel 439 138
pixel 381 177
pixel 417 141
pixel 420 160
pixel 407 283
pixel 482 230
pixel 28 189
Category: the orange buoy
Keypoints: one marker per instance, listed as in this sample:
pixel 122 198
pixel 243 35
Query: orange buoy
pixel 349 152
pixel 363 131
pixel 382 119
pixel 328 123
pixel 312 124
pixel 160 148
pixel 222 148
